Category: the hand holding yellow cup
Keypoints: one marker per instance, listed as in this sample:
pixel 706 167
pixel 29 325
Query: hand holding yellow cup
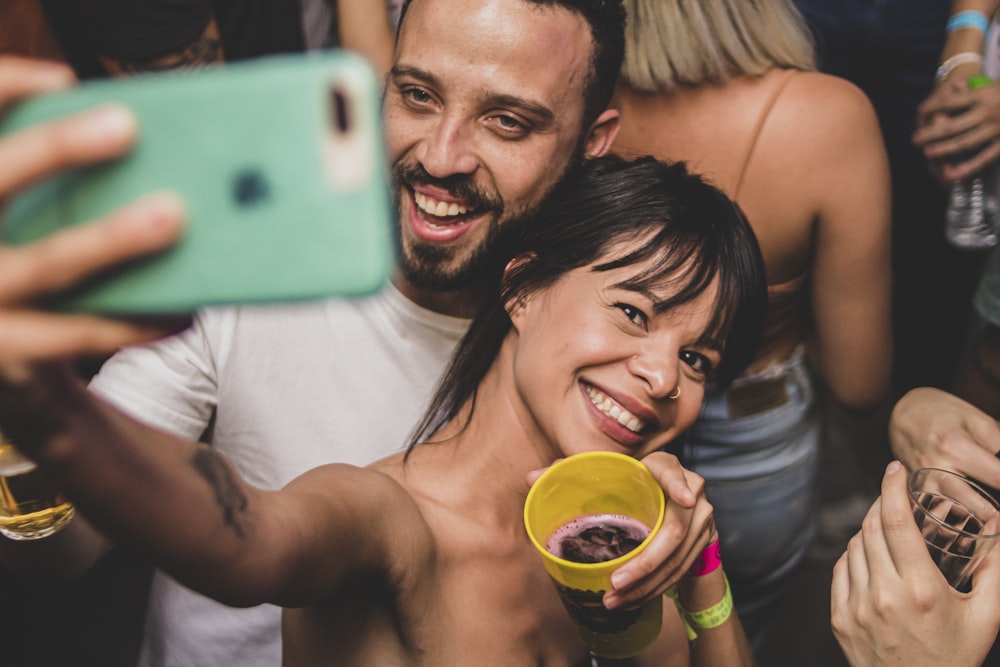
pixel 605 508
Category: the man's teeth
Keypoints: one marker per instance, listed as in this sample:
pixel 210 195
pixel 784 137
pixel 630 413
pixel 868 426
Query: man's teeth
pixel 615 411
pixel 437 208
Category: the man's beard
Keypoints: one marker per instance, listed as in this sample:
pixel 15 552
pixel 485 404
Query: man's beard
pixel 431 266
pixel 426 265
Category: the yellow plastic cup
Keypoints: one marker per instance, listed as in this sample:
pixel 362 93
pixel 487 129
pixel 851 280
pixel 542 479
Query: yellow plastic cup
pixel 596 483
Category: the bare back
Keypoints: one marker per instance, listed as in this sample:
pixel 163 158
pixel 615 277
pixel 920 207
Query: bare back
pixel 802 154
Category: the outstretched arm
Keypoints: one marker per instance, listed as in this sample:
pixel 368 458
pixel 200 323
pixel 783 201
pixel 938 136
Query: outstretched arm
pixel 178 500
pixel 186 506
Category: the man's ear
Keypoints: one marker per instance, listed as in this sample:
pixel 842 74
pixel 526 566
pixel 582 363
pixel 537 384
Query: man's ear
pixel 516 302
pixel 602 134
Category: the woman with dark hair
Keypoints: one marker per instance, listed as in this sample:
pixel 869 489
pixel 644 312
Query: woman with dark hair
pixel 635 285
pixel 581 222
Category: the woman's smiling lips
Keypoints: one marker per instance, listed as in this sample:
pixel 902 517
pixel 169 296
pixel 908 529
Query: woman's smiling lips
pixel 627 426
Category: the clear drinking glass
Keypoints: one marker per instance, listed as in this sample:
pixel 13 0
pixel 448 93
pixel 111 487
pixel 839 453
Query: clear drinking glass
pixel 31 507
pixel 960 521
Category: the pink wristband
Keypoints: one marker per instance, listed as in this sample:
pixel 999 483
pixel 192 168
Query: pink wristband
pixel 707 561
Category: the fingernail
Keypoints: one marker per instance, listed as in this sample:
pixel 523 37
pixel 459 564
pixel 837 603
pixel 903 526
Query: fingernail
pixel 620 580
pixel 56 72
pixel 893 467
pixel 110 121
pixel 158 210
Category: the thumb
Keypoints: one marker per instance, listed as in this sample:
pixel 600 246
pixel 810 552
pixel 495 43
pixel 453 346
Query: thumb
pixel 533 475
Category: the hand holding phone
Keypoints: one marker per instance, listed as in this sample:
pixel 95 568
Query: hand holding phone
pixel 279 162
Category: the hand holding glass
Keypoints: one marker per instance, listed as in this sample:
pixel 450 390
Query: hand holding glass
pixel 960 521
pixel 30 506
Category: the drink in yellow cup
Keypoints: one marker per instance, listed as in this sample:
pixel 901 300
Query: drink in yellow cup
pixel 604 508
pixel 30 506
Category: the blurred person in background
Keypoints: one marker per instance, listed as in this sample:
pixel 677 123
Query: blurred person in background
pixel 729 87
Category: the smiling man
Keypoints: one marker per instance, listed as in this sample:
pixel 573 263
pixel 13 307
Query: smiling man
pixel 479 136
pixel 488 104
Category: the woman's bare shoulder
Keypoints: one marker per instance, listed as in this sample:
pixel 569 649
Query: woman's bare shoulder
pixel 813 101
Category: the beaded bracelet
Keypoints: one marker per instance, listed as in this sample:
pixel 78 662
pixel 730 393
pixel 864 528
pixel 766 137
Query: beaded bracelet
pixel 706 619
pixel 958 59
pixel 970 18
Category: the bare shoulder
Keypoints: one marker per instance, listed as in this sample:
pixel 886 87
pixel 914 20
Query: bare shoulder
pixel 368 491
pixel 369 506
pixel 825 108
pixel 823 131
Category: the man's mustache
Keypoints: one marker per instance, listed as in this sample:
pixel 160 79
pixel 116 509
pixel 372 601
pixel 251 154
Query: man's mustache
pixel 458 186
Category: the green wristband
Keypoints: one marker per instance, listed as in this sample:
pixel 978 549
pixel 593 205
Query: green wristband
pixel 707 619
pixel 715 615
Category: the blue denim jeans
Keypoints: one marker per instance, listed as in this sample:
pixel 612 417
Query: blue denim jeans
pixel 761 478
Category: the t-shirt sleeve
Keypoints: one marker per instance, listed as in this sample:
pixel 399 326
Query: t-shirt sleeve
pixel 170 384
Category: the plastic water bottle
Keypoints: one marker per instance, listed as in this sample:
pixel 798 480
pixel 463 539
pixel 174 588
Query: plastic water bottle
pixel 972 220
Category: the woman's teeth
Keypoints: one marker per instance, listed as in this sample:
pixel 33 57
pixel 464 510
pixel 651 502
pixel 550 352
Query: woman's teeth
pixel 615 411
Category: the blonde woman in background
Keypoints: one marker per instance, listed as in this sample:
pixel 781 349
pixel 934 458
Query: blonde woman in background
pixel 729 87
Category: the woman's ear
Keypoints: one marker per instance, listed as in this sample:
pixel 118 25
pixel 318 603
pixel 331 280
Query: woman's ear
pixel 515 304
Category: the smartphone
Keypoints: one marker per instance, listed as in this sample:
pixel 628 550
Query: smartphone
pixel 281 164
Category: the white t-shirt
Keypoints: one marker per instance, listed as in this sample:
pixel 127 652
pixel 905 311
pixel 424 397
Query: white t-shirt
pixel 292 387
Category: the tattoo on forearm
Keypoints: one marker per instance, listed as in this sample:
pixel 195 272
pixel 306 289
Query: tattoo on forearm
pixel 209 464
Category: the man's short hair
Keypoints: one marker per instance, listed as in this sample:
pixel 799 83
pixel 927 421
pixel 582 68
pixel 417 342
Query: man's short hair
pixel 606 19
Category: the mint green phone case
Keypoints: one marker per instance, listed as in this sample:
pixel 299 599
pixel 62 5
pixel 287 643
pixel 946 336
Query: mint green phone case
pixel 280 162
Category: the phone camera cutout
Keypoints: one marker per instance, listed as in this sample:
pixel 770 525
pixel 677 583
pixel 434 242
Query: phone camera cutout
pixel 341 119
pixel 250 187
pixel 349 132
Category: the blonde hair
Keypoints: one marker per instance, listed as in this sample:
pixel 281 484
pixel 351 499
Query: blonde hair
pixel 671 43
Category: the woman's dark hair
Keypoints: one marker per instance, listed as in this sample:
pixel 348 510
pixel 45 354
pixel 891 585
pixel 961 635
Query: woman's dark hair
pixel 691 234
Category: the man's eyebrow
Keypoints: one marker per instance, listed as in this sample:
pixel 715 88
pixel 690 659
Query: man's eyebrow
pixel 542 113
pixel 415 72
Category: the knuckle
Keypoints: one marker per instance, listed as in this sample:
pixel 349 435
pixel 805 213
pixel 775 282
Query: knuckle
pixel 871 524
pixel 884 605
pixel 839 622
pixel 893 523
pixel 922 596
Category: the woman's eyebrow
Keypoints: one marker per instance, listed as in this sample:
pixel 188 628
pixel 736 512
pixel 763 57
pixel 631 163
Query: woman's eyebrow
pixel 711 342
